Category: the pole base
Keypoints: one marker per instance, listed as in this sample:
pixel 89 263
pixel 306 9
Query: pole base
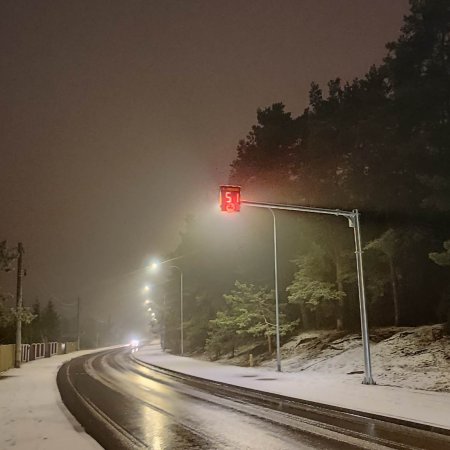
pixel 369 380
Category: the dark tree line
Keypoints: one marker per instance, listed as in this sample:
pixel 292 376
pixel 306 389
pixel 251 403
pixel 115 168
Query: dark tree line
pixel 42 324
pixel 39 325
pixel 380 143
pixel 46 325
pixel 8 314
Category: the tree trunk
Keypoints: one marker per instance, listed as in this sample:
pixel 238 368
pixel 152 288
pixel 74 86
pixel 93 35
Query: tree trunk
pixel 317 317
pixel 269 343
pixel 394 290
pixel 447 326
pixel 304 317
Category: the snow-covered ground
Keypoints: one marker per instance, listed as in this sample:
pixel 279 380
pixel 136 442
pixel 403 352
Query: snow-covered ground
pixel 413 357
pixel 331 384
pixel 32 415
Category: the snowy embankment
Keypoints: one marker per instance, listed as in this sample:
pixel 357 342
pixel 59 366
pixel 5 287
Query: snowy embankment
pixel 412 357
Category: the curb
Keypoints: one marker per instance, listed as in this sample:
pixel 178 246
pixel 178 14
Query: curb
pixel 95 423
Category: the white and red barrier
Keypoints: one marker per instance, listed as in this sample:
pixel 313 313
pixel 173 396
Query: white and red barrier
pixel 37 351
pixel 51 349
pixel 26 352
pixel 30 352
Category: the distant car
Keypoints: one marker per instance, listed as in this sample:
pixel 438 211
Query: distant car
pixel 134 343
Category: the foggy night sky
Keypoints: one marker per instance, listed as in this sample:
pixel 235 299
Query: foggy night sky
pixel 118 118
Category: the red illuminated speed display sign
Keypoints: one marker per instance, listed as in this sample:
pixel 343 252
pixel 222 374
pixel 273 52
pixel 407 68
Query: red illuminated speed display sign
pixel 230 198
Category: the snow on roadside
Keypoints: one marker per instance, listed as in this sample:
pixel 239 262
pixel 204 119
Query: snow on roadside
pixel 32 415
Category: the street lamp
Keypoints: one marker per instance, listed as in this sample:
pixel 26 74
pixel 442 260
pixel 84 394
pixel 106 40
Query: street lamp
pixel 277 307
pixel 230 201
pixel 155 266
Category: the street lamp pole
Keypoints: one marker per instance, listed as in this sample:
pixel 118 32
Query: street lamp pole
pixel 277 314
pixel 181 310
pixel 181 313
pixel 78 322
pixel 163 331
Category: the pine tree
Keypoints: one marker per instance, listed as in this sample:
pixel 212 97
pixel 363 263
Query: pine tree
pixel 443 259
pixel 314 289
pixel 250 314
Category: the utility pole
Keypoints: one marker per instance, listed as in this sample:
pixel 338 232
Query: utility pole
pixel 78 323
pixel 19 305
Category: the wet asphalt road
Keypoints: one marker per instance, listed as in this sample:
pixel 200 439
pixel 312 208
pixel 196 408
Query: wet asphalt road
pixel 124 404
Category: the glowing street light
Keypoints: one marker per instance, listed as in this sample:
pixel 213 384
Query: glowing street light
pixel 155 266
pixel 230 202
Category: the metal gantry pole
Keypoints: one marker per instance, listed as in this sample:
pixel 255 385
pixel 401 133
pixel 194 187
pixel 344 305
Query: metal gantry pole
pixel 362 300
pixel 277 307
pixel 353 217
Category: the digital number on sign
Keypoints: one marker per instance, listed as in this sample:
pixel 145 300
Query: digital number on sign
pixel 230 198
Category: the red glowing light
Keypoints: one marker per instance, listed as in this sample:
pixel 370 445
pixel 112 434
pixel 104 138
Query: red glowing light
pixel 230 198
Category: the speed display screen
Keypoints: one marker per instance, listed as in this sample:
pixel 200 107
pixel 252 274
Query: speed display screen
pixel 230 198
